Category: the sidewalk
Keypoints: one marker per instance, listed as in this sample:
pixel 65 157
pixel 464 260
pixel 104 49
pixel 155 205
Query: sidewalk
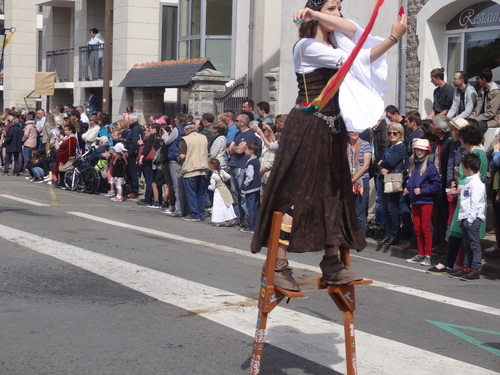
pixel 491 266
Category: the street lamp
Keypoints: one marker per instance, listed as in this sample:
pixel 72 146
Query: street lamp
pixel 4 40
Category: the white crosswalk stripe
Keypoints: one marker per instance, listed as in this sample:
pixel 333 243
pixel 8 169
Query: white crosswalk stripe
pixel 396 288
pixel 292 331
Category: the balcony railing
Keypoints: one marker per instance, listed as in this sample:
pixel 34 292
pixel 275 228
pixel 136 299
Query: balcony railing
pixel 61 62
pixel 91 62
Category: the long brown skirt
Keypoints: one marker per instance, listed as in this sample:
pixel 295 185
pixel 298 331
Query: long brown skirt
pixel 311 173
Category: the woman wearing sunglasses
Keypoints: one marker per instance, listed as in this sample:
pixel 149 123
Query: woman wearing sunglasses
pixel 392 162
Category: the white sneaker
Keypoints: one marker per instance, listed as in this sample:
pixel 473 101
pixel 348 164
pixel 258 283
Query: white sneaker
pixel 491 249
pixel 416 259
pixel 426 261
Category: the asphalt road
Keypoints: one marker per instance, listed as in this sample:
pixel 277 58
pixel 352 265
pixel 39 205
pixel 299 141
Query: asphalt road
pixel 89 286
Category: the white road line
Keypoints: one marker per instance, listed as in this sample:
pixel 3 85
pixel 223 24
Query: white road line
pixel 387 263
pixel 396 288
pixel 303 335
pixel 27 201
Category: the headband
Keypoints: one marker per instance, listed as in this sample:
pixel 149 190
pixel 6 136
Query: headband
pixel 318 3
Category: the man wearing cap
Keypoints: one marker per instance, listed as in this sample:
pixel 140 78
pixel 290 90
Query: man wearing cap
pixel 464 97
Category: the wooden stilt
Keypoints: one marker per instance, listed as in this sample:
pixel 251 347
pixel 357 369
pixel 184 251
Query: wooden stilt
pixel 344 298
pixel 269 296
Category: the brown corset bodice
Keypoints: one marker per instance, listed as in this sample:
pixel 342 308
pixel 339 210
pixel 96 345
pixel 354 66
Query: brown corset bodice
pixel 316 82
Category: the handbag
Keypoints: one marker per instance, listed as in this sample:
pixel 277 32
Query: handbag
pixel 150 156
pixel 393 183
pixel 63 167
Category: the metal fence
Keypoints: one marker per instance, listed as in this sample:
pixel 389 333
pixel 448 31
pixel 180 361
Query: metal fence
pixel 91 62
pixel 61 62
pixel 231 98
pixel 172 109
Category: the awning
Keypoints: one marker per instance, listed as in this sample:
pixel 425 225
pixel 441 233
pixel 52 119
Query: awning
pixel 168 74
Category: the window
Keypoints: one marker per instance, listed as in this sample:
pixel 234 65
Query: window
pixel 473 38
pixel 168 33
pixel 205 30
pixel 39 51
pixel 482 50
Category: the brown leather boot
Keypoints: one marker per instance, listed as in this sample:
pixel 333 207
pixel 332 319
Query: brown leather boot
pixel 334 271
pixel 283 276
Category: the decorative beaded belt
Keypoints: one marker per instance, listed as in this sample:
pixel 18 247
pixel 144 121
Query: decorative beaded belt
pixel 332 121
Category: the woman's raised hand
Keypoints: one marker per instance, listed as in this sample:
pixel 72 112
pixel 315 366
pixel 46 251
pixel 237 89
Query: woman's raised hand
pixel 399 27
pixel 305 15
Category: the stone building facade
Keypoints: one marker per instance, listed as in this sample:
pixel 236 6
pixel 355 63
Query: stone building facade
pixel 412 61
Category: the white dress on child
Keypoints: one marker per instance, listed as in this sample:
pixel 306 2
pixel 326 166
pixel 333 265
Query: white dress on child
pixel 222 209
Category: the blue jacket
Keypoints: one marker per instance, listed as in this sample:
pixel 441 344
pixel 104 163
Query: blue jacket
pixel 429 183
pixel 394 158
pixel 252 173
pixel 173 150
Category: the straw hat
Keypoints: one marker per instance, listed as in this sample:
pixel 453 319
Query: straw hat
pixel 459 123
pixel 422 144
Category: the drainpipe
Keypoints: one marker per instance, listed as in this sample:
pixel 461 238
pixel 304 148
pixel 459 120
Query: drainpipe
pixel 251 28
pixel 402 68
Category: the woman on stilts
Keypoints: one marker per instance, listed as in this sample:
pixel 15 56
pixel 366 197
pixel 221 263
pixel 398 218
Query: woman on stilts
pixel 311 181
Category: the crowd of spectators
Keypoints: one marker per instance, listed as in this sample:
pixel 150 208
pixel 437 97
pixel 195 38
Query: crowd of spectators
pixel 219 164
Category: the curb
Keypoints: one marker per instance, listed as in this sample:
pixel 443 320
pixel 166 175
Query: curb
pixel 490 268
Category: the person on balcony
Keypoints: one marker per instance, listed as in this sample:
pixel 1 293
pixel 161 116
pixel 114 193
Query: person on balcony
pixel 95 54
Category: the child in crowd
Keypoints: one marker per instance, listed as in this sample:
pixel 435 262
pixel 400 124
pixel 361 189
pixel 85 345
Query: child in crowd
pixel 117 138
pixel 423 183
pixel 37 166
pixel 119 163
pixel 222 208
pixel 117 135
pixel 251 185
pixel 50 158
pixel 471 214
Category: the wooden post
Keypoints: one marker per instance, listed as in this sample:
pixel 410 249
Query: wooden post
pixel 108 24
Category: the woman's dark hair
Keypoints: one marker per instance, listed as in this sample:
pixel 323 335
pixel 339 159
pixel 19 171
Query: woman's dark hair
pixel 308 29
pixel 473 122
pixel 427 131
pixel 155 127
pixel 273 127
pixel 70 127
pixel 104 119
pixel 471 135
